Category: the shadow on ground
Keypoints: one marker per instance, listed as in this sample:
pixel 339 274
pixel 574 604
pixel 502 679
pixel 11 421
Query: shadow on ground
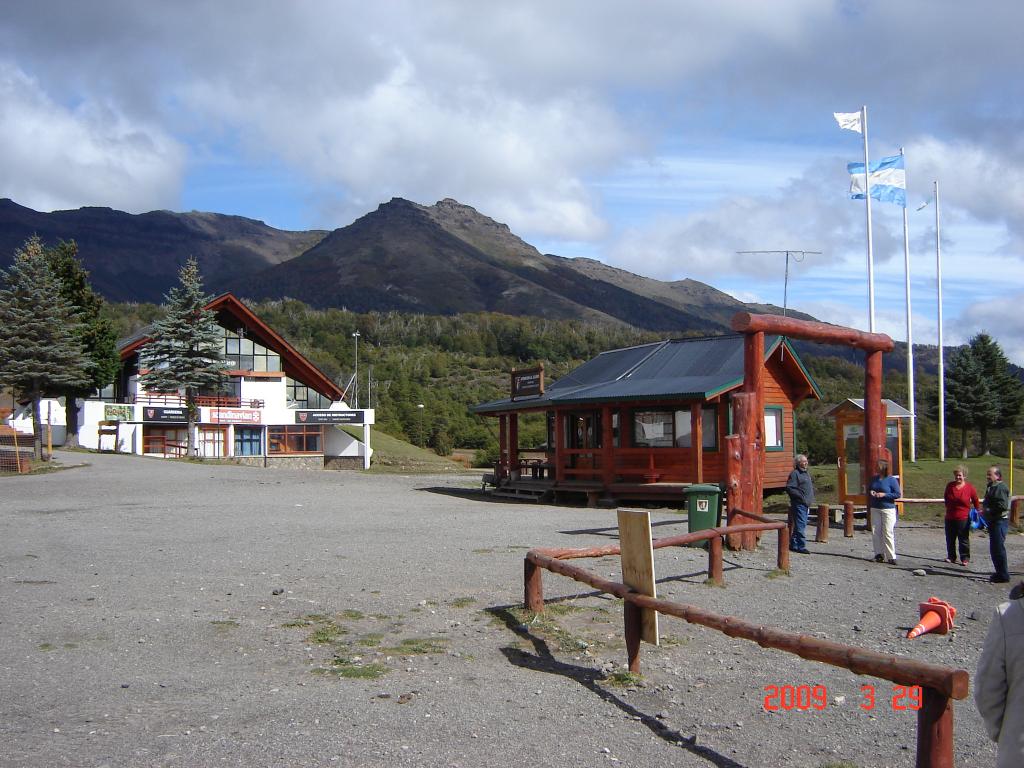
pixel 542 660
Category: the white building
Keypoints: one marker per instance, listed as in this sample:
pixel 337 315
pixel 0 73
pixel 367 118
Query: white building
pixel 276 409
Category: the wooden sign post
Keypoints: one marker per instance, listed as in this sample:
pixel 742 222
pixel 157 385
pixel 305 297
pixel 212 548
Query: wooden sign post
pixel 638 565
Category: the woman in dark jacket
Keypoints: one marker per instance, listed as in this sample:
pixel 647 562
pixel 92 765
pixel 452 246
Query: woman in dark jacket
pixel 883 491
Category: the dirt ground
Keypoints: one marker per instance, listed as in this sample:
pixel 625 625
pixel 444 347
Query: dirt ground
pixel 172 614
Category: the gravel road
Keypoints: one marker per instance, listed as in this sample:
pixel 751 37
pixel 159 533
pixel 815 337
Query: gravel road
pixel 160 613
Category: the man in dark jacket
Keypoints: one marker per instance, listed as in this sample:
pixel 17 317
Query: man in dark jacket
pixel 800 488
pixel 996 507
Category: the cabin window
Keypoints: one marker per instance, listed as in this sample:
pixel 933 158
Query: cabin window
pixel 653 429
pixel 773 428
pixel 709 428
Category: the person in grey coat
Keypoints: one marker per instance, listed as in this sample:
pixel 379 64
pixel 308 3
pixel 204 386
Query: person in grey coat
pixel 800 488
pixel 999 681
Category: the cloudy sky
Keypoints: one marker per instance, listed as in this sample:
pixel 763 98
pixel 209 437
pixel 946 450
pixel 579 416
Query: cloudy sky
pixel 660 137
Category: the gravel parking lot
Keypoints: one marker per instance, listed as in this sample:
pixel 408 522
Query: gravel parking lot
pixel 160 613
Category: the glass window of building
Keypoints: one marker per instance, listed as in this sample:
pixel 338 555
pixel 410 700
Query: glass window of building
pixel 246 355
pixel 248 441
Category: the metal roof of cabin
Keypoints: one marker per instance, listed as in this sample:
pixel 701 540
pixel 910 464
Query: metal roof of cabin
pixel 893 410
pixel 691 368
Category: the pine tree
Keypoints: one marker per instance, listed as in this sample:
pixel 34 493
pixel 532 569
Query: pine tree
pixel 1006 391
pixel 187 350
pixel 40 347
pixel 96 332
pixel 969 399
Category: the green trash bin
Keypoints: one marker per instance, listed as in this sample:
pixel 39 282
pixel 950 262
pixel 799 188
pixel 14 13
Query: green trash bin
pixel 704 508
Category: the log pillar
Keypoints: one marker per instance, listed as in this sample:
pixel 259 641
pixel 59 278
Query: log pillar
pixel 715 560
pixel 559 446
pixel 607 451
pixel 632 617
pixel 821 532
pixel 874 413
pixel 502 469
pixel 533 587
pixel 1015 507
pixel 513 443
pixel 848 519
pixel 934 730
pixel 753 385
pixel 697 441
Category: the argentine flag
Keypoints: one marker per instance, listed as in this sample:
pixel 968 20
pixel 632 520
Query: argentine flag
pixel 888 180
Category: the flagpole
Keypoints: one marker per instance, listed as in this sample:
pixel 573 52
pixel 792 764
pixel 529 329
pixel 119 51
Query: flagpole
pixel 910 336
pixel 867 208
pixel 942 367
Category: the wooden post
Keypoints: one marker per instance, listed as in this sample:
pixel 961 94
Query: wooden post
pixel 848 519
pixel 782 562
pixel 733 480
pixel 559 444
pixel 715 560
pixel 533 587
pixel 632 620
pixel 607 451
pixel 753 384
pixel 874 412
pixel 697 441
pixel 934 730
pixel 1015 506
pixel 513 443
pixel 502 468
pixel 821 533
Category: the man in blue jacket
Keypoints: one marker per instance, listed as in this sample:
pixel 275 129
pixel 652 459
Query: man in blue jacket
pixel 800 488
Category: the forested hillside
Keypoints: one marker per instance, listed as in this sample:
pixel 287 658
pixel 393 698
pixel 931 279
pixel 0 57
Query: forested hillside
pixel 449 363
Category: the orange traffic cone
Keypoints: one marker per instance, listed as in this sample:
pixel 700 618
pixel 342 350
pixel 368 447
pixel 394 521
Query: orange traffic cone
pixel 936 616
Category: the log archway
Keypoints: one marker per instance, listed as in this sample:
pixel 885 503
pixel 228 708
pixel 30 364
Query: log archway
pixel 745 449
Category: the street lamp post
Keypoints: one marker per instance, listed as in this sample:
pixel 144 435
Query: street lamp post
pixel 355 379
pixel 422 437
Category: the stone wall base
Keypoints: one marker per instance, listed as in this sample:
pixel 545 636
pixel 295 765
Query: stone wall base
pixel 301 462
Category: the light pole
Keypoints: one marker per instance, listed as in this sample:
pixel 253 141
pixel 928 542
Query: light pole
pixel 421 435
pixel 355 379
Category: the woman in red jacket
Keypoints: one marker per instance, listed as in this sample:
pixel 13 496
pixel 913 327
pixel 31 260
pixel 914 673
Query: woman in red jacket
pixel 960 497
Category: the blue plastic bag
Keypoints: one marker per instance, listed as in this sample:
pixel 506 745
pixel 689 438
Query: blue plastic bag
pixel 977 520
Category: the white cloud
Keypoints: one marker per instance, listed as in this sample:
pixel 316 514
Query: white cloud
pixel 999 320
pixel 58 157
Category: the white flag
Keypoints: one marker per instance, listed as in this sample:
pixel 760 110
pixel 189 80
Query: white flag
pixel 849 120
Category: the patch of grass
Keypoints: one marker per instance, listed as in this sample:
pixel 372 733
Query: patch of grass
pixel 417 646
pixel 326 634
pixel 352 614
pixel 297 624
pixel 776 573
pixel 370 641
pixel 622 679
pixel 342 666
pixel 46 646
pixel 463 602
pixel 713 583
pixel 222 624
pixel 484 551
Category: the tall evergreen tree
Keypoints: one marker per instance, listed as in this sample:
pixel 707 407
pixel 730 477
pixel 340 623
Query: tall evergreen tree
pixel 40 347
pixel 969 399
pixel 96 332
pixel 187 350
pixel 1006 390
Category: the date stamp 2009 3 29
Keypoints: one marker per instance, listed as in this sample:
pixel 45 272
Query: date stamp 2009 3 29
pixel 805 697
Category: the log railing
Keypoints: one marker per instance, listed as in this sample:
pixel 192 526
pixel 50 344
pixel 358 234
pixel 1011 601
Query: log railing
pixel 940 685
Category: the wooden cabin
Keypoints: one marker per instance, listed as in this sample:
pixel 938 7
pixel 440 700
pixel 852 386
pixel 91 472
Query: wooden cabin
pixel 644 422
